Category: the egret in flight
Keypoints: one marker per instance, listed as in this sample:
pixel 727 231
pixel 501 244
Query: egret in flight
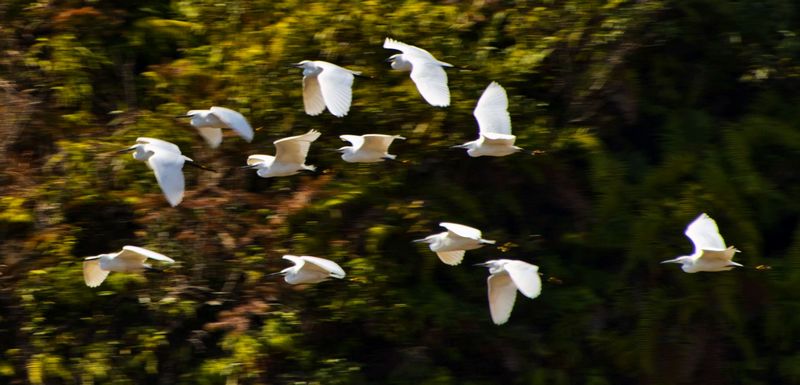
pixel 326 85
pixel 368 148
pixel 426 72
pixel 209 123
pixel 494 125
pixel 166 161
pixel 308 269
pixel 506 276
pixel 130 260
pixel 289 159
pixel 451 244
pixel 710 252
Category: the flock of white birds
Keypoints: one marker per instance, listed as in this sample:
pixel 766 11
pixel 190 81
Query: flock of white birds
pixel 326 85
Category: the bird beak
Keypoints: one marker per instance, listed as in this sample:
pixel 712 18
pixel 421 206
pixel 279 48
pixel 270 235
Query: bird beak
pixel 389 60
pixel 481 264
pixel 671 261
pixel 295 65
pixel 127 150
pixel 193 164
pixel 274 274
pixel 182 116
pixel 419 240
pixel 250 166
pixel 458 146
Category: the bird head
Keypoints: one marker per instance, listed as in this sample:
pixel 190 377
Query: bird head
pixel 489 263
pixel 302 64
pixel 399 62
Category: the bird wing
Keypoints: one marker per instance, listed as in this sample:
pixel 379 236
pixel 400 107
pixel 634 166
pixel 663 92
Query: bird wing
pixel 336 85
pixel 329 267
pixel 168 168
pixel 379 142
pixel 356 140
pixel 93 275
pixel 293 150
pixel 494 139
pixel 313 101
pixel 461 230
pixel 141 254
pixel 431 81
pixel 525 277
pixel 258 158
pixel 704 234
pixel 502 294
pixel 299 262
pixel 235 121
pixel 492 111
pixel 451 258
pixel 212 135
pixel 714 255
pixel 158 143
pixel 407 49
pixel 303 272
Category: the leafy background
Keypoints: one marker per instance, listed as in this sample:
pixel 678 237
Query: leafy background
pixel 648 113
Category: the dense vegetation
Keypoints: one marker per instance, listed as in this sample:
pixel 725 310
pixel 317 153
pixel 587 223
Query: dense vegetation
pixel 648 113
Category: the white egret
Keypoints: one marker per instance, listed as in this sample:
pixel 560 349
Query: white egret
pixel 326 85
pixel 426 71
pixel 368 148
pixel 494 125
pixel 209 123
pixel 130 260
pixel 506 276
pixel 166 161
pixel 289 159
pixel 451 244
pixel 308 269
pixel 710 253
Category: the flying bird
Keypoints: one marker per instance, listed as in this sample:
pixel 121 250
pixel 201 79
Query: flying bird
pixel 326 85
pixel 289 159
pixel 426 71
pixel 209 123
pixel 367 148
pixel 166 161
pixel 506 276
pixel 710 253
pixel 451 244
pixel 494 125
pixel 130 260
pixel 308 269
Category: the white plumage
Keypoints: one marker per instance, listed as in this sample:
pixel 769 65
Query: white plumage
pixel 166 161
pixel 494 125
pixel 506 277
pixel 209 123
pixel 131 259
pixel 289 159
pixel 326 85
pixel 426 71
pixel 368 148
pixel 309 269
pixel 450 245
pixel 710 253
